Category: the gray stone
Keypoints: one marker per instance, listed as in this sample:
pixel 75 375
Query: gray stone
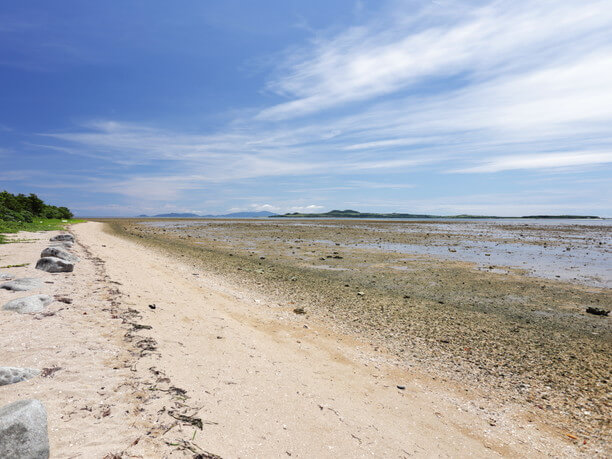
pixel 59 253
pixel 12 375
pixel 63 237
pixel 23 430
pixel 64 244
pixel 29 304
pixel 54 265
pixel 22 285
pixel 5 277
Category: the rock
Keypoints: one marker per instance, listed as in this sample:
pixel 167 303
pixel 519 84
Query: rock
pixel 63 237
pixel 65 244
pixel 22 285
pixel 12 375
pixel 360 293
pixel 5 277
pixel 54 265
pixel 400 387
pixel 23 430
pixel 29 304
pixel 59 253
pixel 598 311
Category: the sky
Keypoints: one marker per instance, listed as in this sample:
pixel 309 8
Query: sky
pixel 445 107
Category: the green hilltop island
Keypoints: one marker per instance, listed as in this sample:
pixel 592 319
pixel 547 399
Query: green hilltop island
pixel 356 214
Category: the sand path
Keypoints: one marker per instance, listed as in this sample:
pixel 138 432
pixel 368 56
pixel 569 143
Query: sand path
pixel 265 381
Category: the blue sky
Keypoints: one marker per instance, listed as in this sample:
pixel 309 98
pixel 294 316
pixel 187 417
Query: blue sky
pixel 128 107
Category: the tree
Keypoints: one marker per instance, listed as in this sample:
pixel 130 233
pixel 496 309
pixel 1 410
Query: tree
pixel 22 208
pixel 35 204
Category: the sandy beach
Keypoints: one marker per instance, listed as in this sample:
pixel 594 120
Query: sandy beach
pixel 155 356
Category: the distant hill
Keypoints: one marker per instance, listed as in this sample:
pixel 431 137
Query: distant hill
pixel 563 217
pixel 351 214
pixel 356 214
pixel 231 215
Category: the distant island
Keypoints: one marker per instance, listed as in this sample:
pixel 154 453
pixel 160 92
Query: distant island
pixel 356 214
pixel 231 215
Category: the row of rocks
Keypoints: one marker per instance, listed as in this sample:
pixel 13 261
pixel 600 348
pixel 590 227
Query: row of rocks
pixel 55 259
pixel 23 424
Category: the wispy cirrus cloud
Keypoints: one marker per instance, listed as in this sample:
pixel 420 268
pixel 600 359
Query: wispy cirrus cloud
pixel 437 41
pixel 532 79
pixel 542 161
pixel 449 88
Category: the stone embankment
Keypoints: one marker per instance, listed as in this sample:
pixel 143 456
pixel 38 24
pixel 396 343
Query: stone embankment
pixel 23 424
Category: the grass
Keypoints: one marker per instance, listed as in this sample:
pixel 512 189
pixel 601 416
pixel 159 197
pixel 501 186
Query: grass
pixel 38 224
pixel 15 266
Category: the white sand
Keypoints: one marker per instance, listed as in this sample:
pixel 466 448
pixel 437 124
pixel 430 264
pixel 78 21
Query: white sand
pixel 264 385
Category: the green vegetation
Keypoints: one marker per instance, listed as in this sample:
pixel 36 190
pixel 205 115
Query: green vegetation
pixel 39 224
pixel 22 208
pixel 30 213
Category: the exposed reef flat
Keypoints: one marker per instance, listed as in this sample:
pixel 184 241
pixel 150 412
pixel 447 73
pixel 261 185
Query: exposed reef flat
pixel 519 331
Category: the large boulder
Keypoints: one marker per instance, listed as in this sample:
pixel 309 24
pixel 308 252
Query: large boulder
pixel 54 265
pixel 29 304
pixel 23 430
pixel 63 237
pixel 22 285
pixel 59 253
pixel 12 375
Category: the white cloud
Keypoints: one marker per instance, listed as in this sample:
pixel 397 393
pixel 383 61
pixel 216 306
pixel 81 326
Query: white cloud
pixel 306 209
pixel 545 161
pixel 434 42
pixel 264 207
pixel 280 208
pixel 504 85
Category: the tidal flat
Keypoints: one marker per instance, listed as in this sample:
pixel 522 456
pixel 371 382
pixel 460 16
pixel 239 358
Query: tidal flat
pixel 498 306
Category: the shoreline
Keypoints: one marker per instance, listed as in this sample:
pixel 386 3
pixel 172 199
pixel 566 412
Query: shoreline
pixel 223 353
pixel 520 339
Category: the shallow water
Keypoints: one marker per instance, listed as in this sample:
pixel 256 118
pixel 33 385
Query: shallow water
pixel 589 266
pixel 570 250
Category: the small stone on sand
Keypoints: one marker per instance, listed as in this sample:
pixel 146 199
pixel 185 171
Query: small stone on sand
pixel 22 285
pixel 12 375
pixel 29 304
